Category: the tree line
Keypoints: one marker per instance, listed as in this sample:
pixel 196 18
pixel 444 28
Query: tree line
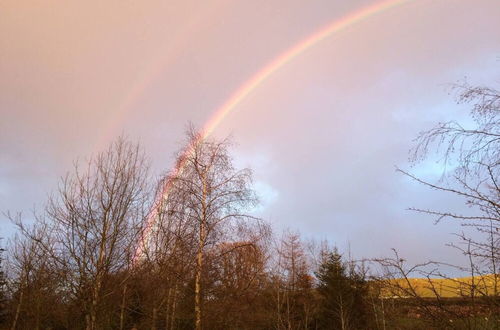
pixel 115 248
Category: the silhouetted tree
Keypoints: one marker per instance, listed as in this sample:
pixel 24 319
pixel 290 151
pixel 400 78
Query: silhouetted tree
pixel 343 290
pixel 293 283
pixel 87 235
pixel 215 199
pixel 469 153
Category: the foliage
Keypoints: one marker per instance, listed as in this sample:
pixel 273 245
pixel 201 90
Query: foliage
pixel 343 290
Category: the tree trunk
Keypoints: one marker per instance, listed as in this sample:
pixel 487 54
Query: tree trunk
pixel 93 308
pixel 199 256
pixel 383 314
pixel 153 326
pixel 122 308
pixel 18 310
pixel 197 285
pixel 88 325
pixel 167 309
pixel 174 305
pixel 342 316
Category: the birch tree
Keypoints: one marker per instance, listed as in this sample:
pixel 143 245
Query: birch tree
pixel 216 199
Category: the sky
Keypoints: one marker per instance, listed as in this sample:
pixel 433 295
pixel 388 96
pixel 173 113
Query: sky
pixel 323 134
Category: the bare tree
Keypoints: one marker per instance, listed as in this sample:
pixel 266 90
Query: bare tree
pixel 235 281
pixel 34 281
pixel 216 199
pixel 90 226
pixel 470 155
pixel 293 283
pixel 474 153
pixel 165 255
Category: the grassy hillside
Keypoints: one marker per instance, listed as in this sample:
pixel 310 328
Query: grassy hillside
pixel 476 286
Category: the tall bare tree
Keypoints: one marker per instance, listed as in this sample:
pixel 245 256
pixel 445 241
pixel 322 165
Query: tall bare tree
pixel 293 283
pixel 165 255
pixel 91 225
pixel 216 199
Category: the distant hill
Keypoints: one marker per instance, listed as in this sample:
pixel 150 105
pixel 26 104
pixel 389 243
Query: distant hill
pixel 477 286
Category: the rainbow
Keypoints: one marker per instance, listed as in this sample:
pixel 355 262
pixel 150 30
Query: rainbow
pixel 258 78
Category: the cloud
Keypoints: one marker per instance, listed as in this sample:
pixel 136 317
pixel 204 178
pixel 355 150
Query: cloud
pixel 323 134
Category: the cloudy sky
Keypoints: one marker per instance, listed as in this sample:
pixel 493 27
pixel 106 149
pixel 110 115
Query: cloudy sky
pixel 323 133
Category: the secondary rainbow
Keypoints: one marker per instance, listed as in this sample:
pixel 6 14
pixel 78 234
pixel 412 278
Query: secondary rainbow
pixel 258 78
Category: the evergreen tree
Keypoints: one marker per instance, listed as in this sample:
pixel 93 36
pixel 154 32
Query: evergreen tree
pixel 342 290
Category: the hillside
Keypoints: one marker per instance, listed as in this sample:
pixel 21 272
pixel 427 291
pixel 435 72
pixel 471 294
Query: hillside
pixel 477 286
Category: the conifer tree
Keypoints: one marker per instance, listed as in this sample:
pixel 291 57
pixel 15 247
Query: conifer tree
pixel 342 289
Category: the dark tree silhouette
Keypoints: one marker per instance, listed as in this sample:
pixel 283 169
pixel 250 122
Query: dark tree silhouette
pixel 343 290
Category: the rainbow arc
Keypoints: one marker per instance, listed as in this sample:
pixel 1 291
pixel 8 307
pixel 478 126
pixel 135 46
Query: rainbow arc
pixel 260 76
